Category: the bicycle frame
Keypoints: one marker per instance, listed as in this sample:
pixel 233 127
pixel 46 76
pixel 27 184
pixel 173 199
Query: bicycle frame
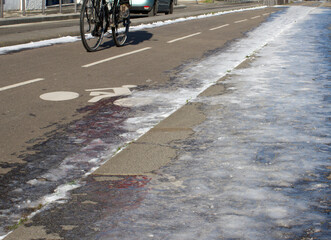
pixel 96 17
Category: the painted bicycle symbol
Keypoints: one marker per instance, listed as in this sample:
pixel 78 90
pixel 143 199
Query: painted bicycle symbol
pixel 96 94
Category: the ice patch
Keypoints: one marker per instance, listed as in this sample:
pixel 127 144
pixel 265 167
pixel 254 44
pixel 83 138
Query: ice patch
pixel 133 102
pixel 60 193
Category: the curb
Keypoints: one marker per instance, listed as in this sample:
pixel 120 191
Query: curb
pixel 35 19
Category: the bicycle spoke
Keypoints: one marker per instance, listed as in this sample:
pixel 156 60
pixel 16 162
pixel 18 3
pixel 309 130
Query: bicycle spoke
pixel 120 28
pixel 92 24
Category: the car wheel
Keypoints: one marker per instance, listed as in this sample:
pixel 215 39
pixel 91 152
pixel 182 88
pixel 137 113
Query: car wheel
pixel 154 10
pixel 171 8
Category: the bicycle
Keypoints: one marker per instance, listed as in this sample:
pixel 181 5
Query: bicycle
pixel 96 17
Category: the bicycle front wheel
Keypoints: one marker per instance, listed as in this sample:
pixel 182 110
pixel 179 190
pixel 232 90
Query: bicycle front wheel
pixel 120 27
pixel 92 24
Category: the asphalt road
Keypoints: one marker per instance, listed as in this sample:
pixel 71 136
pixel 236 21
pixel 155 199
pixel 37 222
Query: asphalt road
pixel 51 27
pixel 61 68
pixel 154 53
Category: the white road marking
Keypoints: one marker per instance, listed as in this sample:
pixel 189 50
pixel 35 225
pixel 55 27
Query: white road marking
pixel 98 94
pixel 102 89
pixel 21 84
pixel 264 14
pixel 255 17
pixel 225 25
pixel 188 36
pixel 59 96
pixel 115 57
pixel 244 20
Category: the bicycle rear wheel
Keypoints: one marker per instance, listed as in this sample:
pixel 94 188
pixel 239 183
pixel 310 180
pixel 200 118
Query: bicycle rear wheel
pixel 92 24
pixel 120 27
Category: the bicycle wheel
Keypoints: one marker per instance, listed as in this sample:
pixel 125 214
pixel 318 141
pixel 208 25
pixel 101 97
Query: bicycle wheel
pixel 92 24
pixel 120 27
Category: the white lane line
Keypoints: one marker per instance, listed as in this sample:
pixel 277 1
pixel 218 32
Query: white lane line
pixel 264 14
pixel 255 17
pixel 21 84
pixel 178 39
pixel 115 57
pixel 244 20
pixel 225 25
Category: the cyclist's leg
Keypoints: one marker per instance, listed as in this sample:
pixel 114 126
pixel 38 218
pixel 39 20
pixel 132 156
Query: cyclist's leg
pixel 124 8
pixel 121 22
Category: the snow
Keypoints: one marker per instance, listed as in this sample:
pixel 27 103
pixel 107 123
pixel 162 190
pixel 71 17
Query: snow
pixel 39 44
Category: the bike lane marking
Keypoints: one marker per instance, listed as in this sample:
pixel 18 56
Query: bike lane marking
pixel 225 25
pixel 115 57
pixel 182 38
pixel 59 96
pixel 244 20
pixel 100 93
pixel 96 94
pixel 21 84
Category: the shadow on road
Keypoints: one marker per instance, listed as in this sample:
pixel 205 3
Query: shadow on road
pixel 134 38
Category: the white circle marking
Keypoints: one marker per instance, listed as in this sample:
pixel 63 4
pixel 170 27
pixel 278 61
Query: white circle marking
pixel 59 96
